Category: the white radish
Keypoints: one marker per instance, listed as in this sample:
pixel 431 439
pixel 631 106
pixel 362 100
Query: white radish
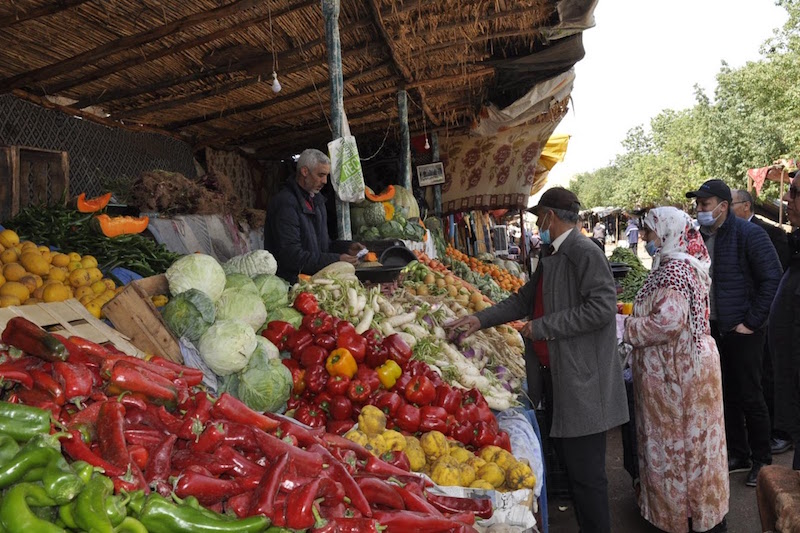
pixel 366 321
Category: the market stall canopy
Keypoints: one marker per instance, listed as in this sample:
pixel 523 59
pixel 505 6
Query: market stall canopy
pixel 202 69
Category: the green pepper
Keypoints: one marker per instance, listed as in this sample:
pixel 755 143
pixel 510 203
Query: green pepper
pixel 89 508
pixel 16 513
pixel 115 507
pixel 45 440
pixel 23 462
pixel 8 448
pixel 136 501
pixel 23 422
pixel 67 515
pixel 84 470
pixel 60 482
pixel 130 525
pixel 162 516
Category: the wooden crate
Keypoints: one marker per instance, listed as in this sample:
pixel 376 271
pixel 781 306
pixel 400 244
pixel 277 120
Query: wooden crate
pixel 70 318
pixel 30 176
pixel 133 313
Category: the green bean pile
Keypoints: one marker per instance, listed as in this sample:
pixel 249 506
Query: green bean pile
pixel 73 231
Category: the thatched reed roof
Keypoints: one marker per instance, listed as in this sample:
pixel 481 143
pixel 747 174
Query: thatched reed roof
pixel 201 69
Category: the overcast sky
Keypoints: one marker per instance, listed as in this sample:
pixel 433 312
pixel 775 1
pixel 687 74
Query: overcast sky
pixel 644 56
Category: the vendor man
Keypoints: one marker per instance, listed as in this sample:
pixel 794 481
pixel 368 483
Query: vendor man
pixel 296 230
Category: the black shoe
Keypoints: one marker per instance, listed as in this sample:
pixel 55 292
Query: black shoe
pixel 738 465
pixel 777 445
pixel 752 476
pixel 722 527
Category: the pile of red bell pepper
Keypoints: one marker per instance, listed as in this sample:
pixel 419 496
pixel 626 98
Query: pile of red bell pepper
pixel 379 371
pixel 151 426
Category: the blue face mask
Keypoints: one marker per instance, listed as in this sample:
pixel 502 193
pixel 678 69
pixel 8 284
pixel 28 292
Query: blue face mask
pixel 544 235
pixel 651 248
pixel 707 218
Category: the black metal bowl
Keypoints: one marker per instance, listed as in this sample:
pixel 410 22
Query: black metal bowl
pixel 381 274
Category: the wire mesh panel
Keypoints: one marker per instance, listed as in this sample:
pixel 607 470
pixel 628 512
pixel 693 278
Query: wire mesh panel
pixel 97 153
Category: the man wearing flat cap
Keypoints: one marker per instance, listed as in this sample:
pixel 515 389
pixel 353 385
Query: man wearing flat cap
pixel 572 302
pixel 745 270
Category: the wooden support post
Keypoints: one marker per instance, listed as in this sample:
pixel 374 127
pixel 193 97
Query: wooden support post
pixel 330 9
pixel 437 189
pixel 405 139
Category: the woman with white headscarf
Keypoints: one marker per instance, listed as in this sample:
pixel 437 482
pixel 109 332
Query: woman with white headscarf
pixel 683 464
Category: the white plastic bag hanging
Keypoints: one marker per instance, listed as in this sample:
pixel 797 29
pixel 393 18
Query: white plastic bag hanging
pixel 347 177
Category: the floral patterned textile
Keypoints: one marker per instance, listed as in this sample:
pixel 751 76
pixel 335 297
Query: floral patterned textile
pixel 683 461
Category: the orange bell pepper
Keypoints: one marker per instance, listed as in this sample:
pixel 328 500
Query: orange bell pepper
pixel 341 363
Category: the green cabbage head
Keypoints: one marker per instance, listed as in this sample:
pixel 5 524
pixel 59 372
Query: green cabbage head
pixel 240 304
pixel 274 291
pixel 286 314
pixel 240 281
pixel 265 384
pixel 189 314
pixel 196 271
pixel 226 346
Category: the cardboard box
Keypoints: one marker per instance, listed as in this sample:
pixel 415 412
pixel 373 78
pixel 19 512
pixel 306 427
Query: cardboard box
pixel 70 318
pixel 132 312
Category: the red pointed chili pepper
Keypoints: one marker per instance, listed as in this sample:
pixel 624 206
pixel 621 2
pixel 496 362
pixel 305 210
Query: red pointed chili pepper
pixel 89 348
pixel 300 505
pixel 111 434
pixel 382 469
pixel 338 472
pixel 149 438
pixel 33 340
pixel 76 380
pixel 278 333
pixel 240 504
pixel 229 408
pixel 379 492
pixel 307 463
pixel 263 501
pixel 420 391
pixel 139 455
pixel 208 490
pixel 343 524
pixel 242 466
pixel 398 459
pixel 79 451
pixel 337 385
pixel 211 437
pixel 306 303
pixel 129 377
pixel 194 421
pixel 339 427
pixel 192 376
pixel 481 507
pixel 43 381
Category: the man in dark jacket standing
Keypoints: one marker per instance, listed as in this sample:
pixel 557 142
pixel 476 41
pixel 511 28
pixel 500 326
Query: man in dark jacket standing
pixel 571 299
pixel 745 271
pixel 784 334
pixel 296 230
pixel 743 207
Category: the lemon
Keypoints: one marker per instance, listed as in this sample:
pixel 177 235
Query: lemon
pixel 15 288
pixel 47 256
pixel 94 274
pixel 56 293
pixel 57 274
pixel 13 271
pixel 88 261
pixel 29 281
pixel 79 277
pixel 98 287
pixel 110 283
pixel 9 256
pixel 74 256
pixel 35 263
pixel 32 301
pixel 9 238
pixel 43 249
pixel 38 293
pixel 85 290
pixel 74 265
pixel 60 260
pixel 95 309
pixel 8 301
pixel 84 300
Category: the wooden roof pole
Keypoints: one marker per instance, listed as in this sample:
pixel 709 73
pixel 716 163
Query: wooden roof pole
pixel 140 59
pixel 51 9
pixel 405 138
pixel 123 43
pixel 437 189
pixel 330 10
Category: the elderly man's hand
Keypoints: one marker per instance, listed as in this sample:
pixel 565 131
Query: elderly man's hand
pixel 355 248
pixel 347 258
pixel 469 324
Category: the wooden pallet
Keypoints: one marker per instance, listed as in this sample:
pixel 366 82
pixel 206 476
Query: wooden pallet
pixel 70 318
pixel 132 312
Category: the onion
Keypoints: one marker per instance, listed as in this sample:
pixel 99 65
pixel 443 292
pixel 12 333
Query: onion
pixel 501 371
pixel 469 353
pixel 507 385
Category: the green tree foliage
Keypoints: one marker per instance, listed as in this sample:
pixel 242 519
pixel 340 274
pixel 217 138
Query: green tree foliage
pixel 750 122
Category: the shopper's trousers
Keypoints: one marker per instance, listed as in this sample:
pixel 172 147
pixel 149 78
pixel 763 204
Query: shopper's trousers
pixel 747 424
pixel 585 461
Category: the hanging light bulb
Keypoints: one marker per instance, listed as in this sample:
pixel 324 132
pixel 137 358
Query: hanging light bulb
pixel 427 144
pixel 276 85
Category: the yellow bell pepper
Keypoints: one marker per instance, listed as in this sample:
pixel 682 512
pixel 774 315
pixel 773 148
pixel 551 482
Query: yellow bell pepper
pixel 435 445
pixel 371 420
pixel 388 373
pixel 341 363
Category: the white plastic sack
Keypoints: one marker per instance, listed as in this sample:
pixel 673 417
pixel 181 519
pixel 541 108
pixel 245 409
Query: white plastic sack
pixel 347 177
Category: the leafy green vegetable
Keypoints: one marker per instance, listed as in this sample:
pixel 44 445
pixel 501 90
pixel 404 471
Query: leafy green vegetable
pixel 635 278
pixel 273 290
pixel 374 214
pixel 285 314
pixel 239 304
pixel 265 384
pixel 240 281
pixel 190 314
pixel 252 264
pixel 226 346
pixel 391 229
pixel 196 271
